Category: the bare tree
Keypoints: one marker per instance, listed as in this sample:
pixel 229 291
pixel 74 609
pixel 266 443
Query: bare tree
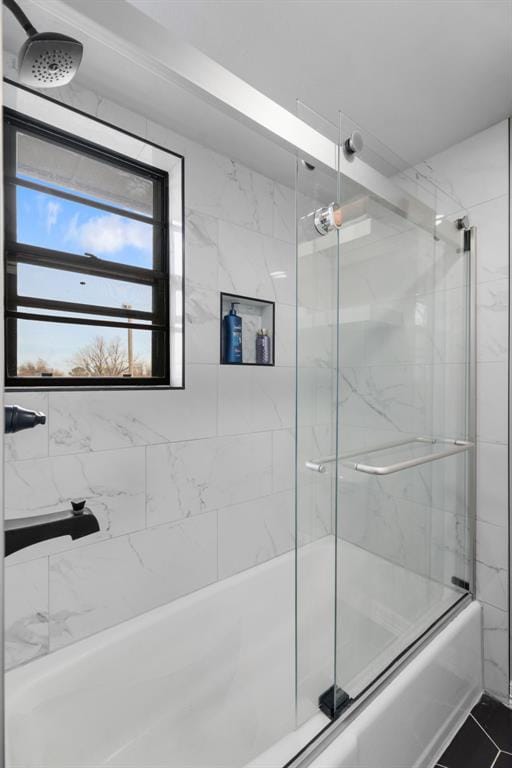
pixel 100 358
pixel 37 368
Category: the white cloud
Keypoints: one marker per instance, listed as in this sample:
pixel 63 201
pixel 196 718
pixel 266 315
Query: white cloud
pixel 108 233
pixel 52 214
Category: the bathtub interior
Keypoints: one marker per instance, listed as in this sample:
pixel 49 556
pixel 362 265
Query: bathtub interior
pixel 209 678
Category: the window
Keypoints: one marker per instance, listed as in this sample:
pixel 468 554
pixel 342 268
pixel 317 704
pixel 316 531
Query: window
pixel 87 262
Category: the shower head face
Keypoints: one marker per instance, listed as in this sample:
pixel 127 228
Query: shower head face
pixel 49 60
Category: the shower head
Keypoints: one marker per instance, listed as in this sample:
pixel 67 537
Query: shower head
pixel 46 59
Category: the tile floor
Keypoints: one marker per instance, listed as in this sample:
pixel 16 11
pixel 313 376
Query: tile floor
pixel 484 740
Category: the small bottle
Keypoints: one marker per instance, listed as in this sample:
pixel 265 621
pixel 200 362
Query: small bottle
pixel 233 336
pixel 263 348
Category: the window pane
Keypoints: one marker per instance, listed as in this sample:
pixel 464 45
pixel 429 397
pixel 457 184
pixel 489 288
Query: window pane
pixel 56 284
pixel 62 225
pixel 68 350
pixel 49 163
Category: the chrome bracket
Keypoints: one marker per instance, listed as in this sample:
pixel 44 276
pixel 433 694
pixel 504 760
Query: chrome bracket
pixel 353 145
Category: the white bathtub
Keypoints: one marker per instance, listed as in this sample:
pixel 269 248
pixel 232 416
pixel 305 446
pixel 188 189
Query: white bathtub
pixel 208 681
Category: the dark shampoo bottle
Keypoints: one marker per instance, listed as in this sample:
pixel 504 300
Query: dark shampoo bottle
pixel 233 336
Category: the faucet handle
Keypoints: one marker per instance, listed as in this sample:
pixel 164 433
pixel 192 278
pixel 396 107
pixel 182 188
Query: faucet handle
pixel 78 506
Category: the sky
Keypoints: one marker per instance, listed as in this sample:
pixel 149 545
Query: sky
pixel 51 222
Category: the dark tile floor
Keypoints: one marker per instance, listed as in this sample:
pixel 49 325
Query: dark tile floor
pixel 484 739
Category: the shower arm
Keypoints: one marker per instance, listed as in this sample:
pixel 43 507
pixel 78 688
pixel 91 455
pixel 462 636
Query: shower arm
pixel 20 17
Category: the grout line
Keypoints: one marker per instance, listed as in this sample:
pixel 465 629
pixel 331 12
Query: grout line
pixel 483 729
pixel 495 759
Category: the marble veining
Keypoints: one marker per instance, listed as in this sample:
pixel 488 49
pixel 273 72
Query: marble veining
pixel 200 475
pixel 26 612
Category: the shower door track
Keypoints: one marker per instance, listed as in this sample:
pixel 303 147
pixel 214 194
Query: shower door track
pixel 332 730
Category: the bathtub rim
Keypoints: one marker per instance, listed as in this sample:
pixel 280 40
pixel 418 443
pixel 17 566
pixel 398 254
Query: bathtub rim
pixel 312 751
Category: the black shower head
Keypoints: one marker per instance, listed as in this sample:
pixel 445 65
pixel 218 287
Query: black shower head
pixel 46 59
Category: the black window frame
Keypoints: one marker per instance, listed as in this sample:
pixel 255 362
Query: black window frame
pixel 158 277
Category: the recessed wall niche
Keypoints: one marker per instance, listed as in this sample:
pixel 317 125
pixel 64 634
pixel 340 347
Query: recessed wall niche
pixel 257 320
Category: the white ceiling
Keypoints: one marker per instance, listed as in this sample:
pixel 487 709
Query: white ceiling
pixel 419 74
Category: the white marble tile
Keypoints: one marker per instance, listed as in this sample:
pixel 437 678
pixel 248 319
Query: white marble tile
pixel 448 325
pixel 390 333
pixel 283 452
pixel 201 249
pixel 492 583
pixel 95 421
pixel 285 336
pixel 315 510
pixel 119 115
pixel 227 190
pixel 491 544
pixel 317 397
pixel 492 402
pixel 99 586
pixel 202 324
pixel 492 483
pixel 374 275
pixel 255 399
pixel 440 484
pixel 284 213
pixel 80 98
pixel 317 338
pixel 113 483
pixel 447 541
pixel 317 286
pixel 255 531
pixel 242 266
pixel 492 321
pixel 396 529
pixel 196 476
pixel 474 170
pixel 26 612
pixel 496 651
pixel 280 263
pixel 428 328
pixel 447 415
pixel 386 397
pixel 491 220
pixel 31 443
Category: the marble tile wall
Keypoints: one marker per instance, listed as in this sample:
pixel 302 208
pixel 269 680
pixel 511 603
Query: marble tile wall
pixel 189 486
pixel 476 173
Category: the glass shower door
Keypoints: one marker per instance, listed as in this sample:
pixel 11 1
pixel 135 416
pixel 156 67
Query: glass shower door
pixel 384 438
pixel 318 308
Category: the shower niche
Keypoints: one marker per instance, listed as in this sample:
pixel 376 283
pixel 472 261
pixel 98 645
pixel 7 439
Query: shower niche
pixel 251 321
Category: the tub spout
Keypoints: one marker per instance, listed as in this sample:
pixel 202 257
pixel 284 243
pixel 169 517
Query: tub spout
pixel 77 522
